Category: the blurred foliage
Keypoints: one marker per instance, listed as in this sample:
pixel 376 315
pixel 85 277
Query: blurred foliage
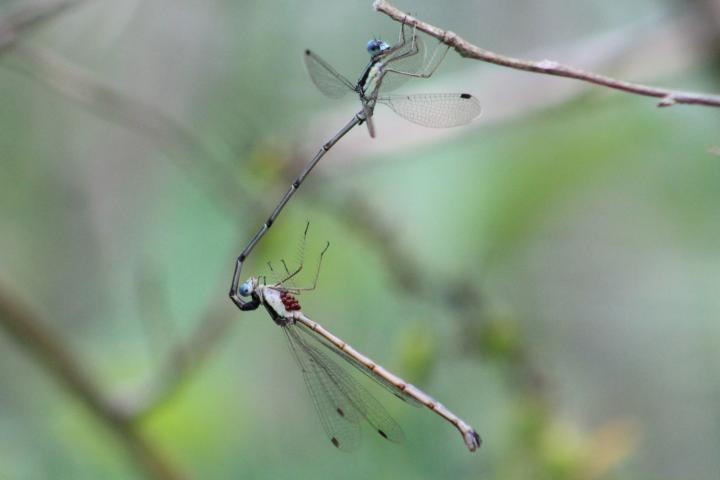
pixel 578 244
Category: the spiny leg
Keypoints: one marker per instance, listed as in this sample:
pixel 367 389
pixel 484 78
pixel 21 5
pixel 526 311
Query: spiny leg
pixel 424 74
pixel 402 40
pixel 398 57
pixel 290 275
pixel 287 272
pixel 300 254
pixel 276 281
pixel 273 274
pixel 413 46
pixel 317 274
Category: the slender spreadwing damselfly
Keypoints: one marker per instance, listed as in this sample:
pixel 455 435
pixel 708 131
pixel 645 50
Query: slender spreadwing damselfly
pixel 389 67
pixel 341 401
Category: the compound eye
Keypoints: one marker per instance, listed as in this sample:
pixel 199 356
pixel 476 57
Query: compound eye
pixel 245 289
pixel 373 46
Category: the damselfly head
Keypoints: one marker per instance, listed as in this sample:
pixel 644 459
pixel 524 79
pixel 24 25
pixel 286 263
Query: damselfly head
pixel 247 288
pixel 376 46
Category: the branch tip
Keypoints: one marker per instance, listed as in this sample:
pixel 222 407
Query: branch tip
pixel 547 67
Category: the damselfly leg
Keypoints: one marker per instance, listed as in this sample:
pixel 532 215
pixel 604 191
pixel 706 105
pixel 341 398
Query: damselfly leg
pixel 289 275
pixel 430 67
pixel 301 260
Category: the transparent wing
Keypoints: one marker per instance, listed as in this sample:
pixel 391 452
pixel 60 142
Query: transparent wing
pixel 325 78
pixel 339 418
pixel 438 110
pixel 340 400
pixel 410 58
pixel 355 363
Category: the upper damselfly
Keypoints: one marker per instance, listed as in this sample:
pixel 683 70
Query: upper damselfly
pixel 390 67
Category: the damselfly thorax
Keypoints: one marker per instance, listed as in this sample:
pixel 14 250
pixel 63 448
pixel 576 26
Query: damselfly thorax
pixel 279 303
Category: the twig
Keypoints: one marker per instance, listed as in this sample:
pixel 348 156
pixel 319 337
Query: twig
pixel 23 19
pixel 107 101
pixel 26 327
pixel 179 363
pixel 102 98
pixel 546 67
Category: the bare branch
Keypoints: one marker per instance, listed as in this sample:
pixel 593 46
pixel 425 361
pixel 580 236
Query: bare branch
pixel 546 67
pixel 28 330
pixel 179 362
pixel 104 99
pixel 23 19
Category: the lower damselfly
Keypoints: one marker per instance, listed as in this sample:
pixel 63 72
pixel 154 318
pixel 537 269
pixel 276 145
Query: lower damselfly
pixel 342 403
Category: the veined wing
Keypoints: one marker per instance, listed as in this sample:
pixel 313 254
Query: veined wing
pixel 325 78
pixel 438 110
pixel 391 387
pixel 339 418
pixel 340 400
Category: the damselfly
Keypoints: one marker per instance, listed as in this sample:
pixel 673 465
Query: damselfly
pixel 341 402
pixel 390 67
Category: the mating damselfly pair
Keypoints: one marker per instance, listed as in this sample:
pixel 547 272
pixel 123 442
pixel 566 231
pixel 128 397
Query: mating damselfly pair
pixel 341 402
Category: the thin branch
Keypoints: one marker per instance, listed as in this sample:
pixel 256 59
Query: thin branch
pixel 19 322
pixel 178 364
pixel 29 16
pixel 546 67
pixel 218 181
pixel 104 99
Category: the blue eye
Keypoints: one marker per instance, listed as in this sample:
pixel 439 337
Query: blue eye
pixel 245 289
pixel 375 46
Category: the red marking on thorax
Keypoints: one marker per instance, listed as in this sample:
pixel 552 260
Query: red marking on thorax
pixel 289 302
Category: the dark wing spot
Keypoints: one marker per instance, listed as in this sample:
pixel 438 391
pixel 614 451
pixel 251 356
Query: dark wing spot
pixel 382 434
pixel 465 95
pixel 307 52
pixel 335 442
pixel 340 412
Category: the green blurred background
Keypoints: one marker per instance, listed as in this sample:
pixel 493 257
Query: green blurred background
pixel 550 272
